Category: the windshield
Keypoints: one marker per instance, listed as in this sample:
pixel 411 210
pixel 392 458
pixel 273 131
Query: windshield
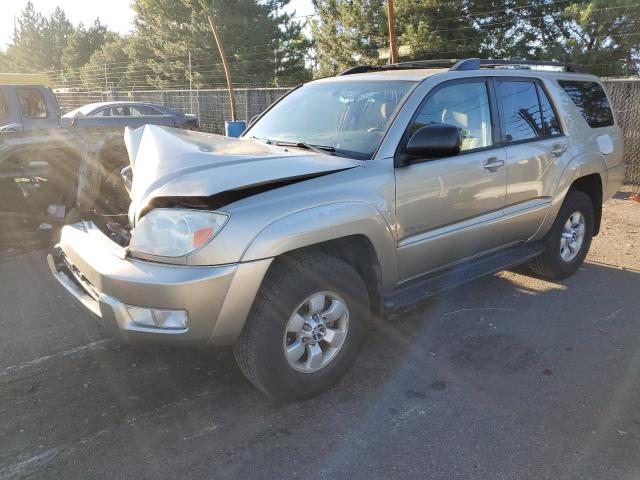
pixel 350 117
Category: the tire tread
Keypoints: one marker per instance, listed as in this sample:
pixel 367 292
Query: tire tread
pixel 280 275
pixel 547 264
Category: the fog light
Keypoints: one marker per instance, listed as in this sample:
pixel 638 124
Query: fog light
pixel 153 317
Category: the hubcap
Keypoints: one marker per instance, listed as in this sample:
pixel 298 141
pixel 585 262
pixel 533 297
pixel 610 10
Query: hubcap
pixel 572 237
pixel 316 332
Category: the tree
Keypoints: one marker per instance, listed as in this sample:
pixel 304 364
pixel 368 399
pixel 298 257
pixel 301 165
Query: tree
pixel 84 42
pixel 28 51
pixel 601 34
pixel 351 32
pixel 57 30
pixel 112 64
pixel 4 62
pixel 262 45
pixel 50 44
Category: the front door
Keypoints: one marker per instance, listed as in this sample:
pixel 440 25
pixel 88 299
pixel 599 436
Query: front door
pixel 450 209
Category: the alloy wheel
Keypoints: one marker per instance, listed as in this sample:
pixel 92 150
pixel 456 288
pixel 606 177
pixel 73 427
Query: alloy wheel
pixel 316 331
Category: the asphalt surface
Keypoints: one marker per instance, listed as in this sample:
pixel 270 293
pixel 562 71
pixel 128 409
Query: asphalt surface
pixel 508 377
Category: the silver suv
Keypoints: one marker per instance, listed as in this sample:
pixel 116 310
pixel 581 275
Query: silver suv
pixel 349 197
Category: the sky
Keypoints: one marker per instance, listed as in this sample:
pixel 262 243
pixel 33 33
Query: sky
pixel 116 14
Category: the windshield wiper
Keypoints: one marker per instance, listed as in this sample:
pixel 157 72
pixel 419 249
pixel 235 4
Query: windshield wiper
pixel 307 146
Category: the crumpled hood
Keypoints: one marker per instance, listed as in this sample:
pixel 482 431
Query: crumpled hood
pixel 170 162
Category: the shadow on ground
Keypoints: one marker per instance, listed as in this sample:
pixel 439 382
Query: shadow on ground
pixel 488 379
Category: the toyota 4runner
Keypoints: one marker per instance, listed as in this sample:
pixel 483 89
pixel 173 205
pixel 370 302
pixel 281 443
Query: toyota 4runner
pixel 349 197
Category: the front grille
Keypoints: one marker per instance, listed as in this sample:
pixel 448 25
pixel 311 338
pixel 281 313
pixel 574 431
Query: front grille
pixel 77 277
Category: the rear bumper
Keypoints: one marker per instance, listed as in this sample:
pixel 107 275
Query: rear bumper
pixel 614 179
pixel 96 272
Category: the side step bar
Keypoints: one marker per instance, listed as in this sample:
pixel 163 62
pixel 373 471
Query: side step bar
pixel 429 285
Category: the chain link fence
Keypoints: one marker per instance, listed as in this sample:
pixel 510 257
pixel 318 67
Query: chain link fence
pixel 212 108
pixel 625 99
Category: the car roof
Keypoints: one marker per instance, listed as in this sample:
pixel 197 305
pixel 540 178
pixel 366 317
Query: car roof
pixel 414 75
pixel 419 74
pixel 90 108
pixel 125 102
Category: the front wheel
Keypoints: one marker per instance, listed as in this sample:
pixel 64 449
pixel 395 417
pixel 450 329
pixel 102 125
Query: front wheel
pixel 568 241
pixel 305 328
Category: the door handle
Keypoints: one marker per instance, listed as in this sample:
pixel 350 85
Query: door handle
pixel 557 150
pixel 492 164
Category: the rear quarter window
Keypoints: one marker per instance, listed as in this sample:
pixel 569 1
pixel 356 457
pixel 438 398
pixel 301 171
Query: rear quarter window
pixel 591 101
pixel 4 109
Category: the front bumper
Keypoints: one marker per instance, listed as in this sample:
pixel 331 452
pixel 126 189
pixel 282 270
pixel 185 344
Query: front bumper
pixel 97 273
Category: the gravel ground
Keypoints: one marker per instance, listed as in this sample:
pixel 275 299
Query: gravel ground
pixel 507 377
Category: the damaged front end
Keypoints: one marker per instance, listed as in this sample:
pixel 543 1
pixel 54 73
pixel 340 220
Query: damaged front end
pixel 179 169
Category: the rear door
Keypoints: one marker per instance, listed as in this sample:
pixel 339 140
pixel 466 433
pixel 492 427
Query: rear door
pixel 449 209
pixel 534 142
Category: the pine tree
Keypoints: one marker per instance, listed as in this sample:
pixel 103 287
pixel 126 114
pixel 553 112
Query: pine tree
pixel 56 31
pixel 352 32
pixel 604 36
pixel 262 46
pixel 83 42
pixel 601 34
pixel 28 51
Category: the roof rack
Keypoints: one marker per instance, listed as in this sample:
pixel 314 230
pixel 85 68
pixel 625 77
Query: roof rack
pixel 460 65
pixel 401 66
pixel 477 63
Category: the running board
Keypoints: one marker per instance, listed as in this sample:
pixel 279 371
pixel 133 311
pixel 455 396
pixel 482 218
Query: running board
pixel 429 285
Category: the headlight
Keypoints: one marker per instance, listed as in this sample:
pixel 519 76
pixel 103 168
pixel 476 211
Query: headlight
pixel 170 232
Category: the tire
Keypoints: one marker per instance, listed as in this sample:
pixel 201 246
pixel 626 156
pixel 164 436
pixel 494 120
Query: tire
pixel 260 350
pixel 551 263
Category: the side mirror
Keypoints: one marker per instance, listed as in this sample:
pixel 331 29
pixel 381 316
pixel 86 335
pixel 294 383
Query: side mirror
pixel 435 141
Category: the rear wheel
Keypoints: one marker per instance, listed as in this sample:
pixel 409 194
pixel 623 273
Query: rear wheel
pixel 568 241
pixel 305 328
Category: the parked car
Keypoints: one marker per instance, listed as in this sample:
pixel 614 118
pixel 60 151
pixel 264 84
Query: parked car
pixel 351 196
pixel 39 145
pixel 134 109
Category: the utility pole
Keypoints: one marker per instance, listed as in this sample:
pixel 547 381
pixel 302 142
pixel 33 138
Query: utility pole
pixel 393 41
pixel 227 74
pixel 190 87
pixel 106 80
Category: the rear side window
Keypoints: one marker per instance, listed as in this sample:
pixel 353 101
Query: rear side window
pixel 526 110
pixel 32 103
pixel 144 111
pixel 116 111
pixel 591 101
pixel 520 108
pixel 549 119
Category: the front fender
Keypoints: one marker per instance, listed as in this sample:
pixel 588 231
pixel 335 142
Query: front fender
pixel 328 222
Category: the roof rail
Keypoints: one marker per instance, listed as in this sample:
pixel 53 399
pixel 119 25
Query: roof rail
pixel 476 63
pixel 459 65
pixel 400 66
pixel 362 69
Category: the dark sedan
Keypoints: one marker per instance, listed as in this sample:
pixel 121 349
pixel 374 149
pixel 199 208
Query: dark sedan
pixel 134 109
